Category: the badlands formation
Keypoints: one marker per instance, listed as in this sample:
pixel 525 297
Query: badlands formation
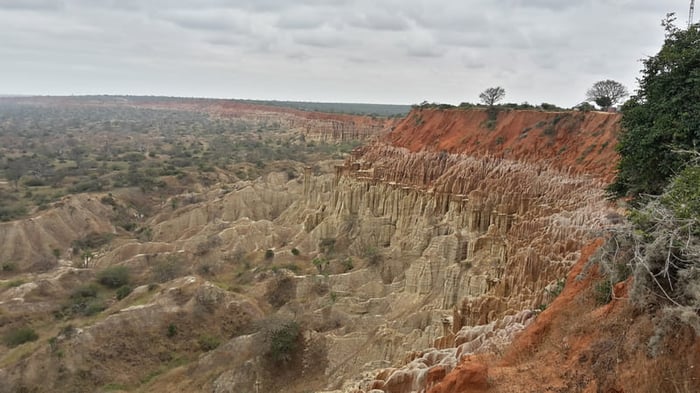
pixel 425 259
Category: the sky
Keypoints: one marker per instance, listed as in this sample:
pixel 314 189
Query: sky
pixel 376 51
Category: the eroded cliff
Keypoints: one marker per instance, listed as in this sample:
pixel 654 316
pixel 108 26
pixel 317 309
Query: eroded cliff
pixel 457 228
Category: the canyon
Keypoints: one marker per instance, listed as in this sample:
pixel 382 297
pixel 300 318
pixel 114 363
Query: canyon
pixel 449 252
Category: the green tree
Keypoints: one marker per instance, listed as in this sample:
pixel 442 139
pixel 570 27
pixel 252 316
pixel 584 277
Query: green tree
pixel 606 93
pixel 663 118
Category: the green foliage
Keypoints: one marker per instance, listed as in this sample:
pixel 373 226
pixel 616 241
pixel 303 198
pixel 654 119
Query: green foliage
pixel 347 264
pixel 114 276
pixel 92 241
pixel 9 213
pixel 269 254
pixel 372 255
pixel 123 291
pixel 606 93
pixel 83 300
pixel 14 283
pixel 603 292
pixel 208 343
pixel 19 336
pixel 295 251
pixel 320 263
pixel 283 342
pixel 8 267
pixel 662 118
pixel 683 195
pixel 85 291
pixel 172 330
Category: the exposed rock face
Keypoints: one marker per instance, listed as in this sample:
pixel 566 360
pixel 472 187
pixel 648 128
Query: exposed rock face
pixel 467 241
pixel 582 143
pixel 32 241
pixel 481 236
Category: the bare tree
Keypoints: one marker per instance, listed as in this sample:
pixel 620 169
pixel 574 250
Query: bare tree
pixel 606 93
pixel 492 95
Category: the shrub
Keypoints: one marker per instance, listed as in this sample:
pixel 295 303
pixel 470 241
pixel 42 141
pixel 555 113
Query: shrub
pixel 172 330
pixel 172 267
pixel 8 267
pixel 321 264
pixel 295 251
pixel 19 336
pixel 279 290
pixel 85 291
pixel 93 307
pixel 123 291
pixel 92 241
pixel 683 195
pixel 372 255
pixel 208 343
pixel 284 341
pixel 269 254
pixel 114 277
pixel 347 264
pixel 327 245
pixel 603 292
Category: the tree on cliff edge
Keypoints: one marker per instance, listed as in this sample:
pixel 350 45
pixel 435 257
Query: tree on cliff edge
pixel 606 93
pixel 663 118
pixel 492 95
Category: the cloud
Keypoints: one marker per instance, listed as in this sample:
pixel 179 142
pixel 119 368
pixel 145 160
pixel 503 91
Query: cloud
pixel 37 5
pixel 364 50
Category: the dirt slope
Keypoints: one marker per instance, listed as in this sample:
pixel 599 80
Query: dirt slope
pixel 583 143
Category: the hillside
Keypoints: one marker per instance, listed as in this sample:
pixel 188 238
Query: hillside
pixel 410 265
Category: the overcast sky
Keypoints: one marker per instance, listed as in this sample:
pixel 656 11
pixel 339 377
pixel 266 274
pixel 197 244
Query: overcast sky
pixel 379 51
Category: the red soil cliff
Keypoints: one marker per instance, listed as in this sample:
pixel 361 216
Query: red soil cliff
pixel 579 142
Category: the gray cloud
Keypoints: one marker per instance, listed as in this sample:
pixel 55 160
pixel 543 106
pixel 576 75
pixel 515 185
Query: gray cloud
pixel 402 51
pixel 39 5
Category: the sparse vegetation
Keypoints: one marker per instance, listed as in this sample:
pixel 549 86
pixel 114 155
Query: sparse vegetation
pixel 492 95
pixel 208 343
pixel 19 336
pixel 123 291
pixel 606 93
pixel 169 268
pixel 284 342
pixel 114 276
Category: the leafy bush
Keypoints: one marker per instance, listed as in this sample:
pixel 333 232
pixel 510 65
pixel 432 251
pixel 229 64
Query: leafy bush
pixel 280 289
pixel 9 213
pixel 683 195
pixel 295 251
pixel 19 336
pixel 603 292
pixel 172 330
pixel 207 342
pixel 372 255
pixel 92 241
pixel 269 254
pixel 123 291
pixel 8 267
pixel 284 342
pixel 85 291
pixel 114 276
pixel 662 118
